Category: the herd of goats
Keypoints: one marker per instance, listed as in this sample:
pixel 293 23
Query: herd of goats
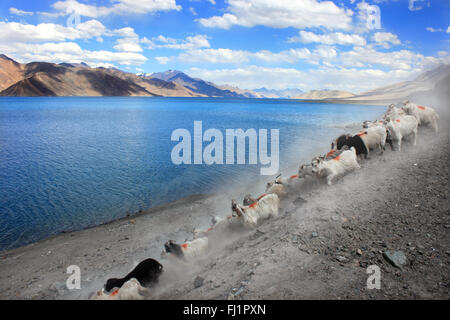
pixel 397 123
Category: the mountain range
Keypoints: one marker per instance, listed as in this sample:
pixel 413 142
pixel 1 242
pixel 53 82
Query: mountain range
pixel 324 94
pixel 79 79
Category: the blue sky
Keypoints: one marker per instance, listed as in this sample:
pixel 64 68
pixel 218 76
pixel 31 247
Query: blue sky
pixel 305 44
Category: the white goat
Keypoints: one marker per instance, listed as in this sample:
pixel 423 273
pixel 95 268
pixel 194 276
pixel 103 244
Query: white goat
pixel 374 138
pixel 220 225
pixel 402 127
pixel 130 290
pixel 393 113
pixel 187 250
pixel 342 164
pixel 424 115
pixel 305 170
pixel 282 186
pixel 267 206
pixel 370 124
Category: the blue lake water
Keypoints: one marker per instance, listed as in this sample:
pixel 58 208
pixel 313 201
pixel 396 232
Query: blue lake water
pixel 68 163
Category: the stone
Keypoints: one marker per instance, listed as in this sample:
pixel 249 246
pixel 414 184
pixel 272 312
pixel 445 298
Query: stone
pixel 341 259
pixel 198 282
pixel 396 258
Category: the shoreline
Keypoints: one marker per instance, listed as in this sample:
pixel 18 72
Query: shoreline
pixel 328 100
pixel 127 216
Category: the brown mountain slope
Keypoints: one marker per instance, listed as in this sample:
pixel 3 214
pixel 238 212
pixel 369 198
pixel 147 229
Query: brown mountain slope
pixel 61 81
pixel 30 87
pixel 10 72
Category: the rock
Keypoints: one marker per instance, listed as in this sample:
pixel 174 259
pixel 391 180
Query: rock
pixel 58 287
pixel 396 258
pixel 239 291
pixel 314 234
pixel 341 259
pixel 299 201
pixel 359 252
pixel 198 282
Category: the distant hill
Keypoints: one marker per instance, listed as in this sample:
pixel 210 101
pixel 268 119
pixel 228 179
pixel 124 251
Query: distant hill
pixel 324 94
pixel 272 93
pixel 200 86
pixel 402 90
pixel 438 95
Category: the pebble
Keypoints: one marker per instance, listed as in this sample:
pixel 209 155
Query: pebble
pixel 396 258
pixel 341 259
pixel 198 282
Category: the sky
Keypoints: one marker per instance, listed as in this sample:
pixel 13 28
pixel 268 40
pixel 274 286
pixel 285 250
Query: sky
pixel 353 45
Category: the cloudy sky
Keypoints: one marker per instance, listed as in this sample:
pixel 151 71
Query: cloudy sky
pixel 350 45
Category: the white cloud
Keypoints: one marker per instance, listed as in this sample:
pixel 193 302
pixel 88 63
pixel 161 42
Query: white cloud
pixel 448 29
pixel 281 14
pixel 120 7
pixel 431 29
pixel 214 56
pixel 351 79
pixel 330 38
pixel 147 42
pixel 17 32
pixel 415 5
pixel 162 60
pixel 192 10
pixel 129 42
pixel 385 39
pixel 51 42
pixel 322 53
pixel 67 52
pixel 395 60
pixel 190 43
pixel 19 12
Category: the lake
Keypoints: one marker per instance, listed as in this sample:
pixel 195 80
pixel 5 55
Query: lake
pixel 68 163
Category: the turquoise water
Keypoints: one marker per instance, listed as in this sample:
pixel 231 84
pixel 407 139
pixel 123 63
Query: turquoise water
pixel 67 163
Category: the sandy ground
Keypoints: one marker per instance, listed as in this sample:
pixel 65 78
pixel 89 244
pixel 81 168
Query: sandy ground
pixel 318 248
